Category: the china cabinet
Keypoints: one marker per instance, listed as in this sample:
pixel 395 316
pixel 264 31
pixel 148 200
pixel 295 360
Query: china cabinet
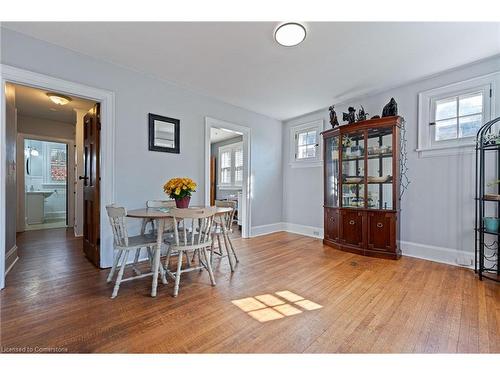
pixel 361 187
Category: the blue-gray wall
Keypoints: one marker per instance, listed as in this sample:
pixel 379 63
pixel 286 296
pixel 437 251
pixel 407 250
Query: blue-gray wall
pixel 140 174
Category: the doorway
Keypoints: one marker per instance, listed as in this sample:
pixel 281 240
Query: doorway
pixel 45 184
pixel 8 169
pixel 227 166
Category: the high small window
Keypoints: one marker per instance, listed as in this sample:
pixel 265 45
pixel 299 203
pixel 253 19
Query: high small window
pixel 230 171
pixel 458 116
pixel 450 116
pixel 305 144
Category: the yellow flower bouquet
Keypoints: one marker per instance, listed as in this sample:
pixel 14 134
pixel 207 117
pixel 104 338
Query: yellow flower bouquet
pixel 180 189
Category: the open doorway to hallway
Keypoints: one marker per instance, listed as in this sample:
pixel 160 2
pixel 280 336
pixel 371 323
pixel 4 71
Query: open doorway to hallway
pixel 227 170
pixel 45 136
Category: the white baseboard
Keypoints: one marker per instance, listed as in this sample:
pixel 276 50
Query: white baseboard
pixel 438 254
pixel 261 230
pixel 305 230
pixel 287 227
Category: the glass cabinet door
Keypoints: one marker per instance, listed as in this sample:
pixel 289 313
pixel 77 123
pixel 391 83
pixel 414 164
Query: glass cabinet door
pixel 380 174
pixel 332 172
pixel 353 170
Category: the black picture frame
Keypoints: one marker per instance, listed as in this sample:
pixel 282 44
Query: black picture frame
pixel 154 143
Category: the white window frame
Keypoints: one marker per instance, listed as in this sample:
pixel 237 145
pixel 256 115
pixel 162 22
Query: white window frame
pixel 426 144
pixel 316 161
pixel 233 147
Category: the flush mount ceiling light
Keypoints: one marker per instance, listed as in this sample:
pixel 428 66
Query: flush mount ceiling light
pixel 58 98
pixel 290 34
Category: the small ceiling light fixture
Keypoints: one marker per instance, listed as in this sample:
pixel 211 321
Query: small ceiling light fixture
pixel 58 98
pixel 290 34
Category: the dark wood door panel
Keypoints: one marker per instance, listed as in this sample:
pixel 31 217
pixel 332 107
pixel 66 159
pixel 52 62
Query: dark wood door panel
pixel 332 224
pixel 381 234
pixel 351 227
pixel 91 185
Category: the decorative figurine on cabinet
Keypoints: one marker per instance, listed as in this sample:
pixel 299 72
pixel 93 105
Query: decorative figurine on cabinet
pixel 374 117
pixel 362 115
pixel 333 117
pixel 390 109
pixel 351 116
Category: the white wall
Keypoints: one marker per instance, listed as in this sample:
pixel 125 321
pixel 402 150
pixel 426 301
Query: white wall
pixel 139 173
pixel 45 128
pixel 438 210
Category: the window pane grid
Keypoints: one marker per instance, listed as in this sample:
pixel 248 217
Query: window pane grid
pixel 306 144
pixel 468 113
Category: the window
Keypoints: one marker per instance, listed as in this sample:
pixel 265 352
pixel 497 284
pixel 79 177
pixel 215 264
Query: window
pixel 230 171
pixel 305 146
pixel 458 116
pixel 450 116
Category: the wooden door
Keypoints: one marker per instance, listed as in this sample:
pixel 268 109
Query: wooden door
pixel 212 180
pixel 91 184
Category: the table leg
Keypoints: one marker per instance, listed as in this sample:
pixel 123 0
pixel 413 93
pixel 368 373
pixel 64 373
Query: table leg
pixel 157 253
pixel 225 235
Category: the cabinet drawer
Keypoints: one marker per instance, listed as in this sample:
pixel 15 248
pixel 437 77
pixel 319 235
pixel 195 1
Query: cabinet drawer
pixel 381 231
pixel 331 224
pixel 351 227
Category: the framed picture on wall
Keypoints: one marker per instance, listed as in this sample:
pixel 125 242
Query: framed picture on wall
pixel 164 134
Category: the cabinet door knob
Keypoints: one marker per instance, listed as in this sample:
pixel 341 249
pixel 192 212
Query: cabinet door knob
pixel 352 222
pixel 380 225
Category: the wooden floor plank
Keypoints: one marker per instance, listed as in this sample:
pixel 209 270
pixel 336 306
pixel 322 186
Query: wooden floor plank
pixel 55 298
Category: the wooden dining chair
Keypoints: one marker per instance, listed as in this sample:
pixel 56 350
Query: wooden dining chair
pixel 157 204
pixel 219 229
pixel 193 239
pixel 123 244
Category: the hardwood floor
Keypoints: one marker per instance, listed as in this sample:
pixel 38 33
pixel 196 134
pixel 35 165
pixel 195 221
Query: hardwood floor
pixel 55 299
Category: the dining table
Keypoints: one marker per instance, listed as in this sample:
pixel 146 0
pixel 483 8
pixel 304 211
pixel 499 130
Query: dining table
pixel 161 216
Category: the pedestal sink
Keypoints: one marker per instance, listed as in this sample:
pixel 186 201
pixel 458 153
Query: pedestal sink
pixel 35 205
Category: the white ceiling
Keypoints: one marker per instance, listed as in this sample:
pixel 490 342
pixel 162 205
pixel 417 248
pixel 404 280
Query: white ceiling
pixel 239 62
pixel 35 103
pixel 218 135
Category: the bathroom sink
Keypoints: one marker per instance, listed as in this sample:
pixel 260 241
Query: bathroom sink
pixel 45 193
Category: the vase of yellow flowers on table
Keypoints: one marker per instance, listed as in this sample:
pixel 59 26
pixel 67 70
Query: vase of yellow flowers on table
pixel 180 189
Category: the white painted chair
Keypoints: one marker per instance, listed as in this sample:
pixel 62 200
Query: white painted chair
pixel 157 204
pixel 124 244
pixel 225 231
pixel 190 240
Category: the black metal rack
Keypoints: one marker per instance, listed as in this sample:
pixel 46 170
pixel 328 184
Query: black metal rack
pixel 486 253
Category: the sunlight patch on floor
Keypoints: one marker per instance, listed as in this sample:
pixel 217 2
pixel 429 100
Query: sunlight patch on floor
pixel 268 307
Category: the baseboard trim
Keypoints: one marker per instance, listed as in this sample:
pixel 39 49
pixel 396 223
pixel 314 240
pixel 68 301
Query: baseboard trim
pixel 262 230
pixel 305 230
pixel 438 254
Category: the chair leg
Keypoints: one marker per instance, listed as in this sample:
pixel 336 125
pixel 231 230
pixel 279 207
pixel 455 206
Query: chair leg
pixel 218 242
pixel 209 267
pixel 232 249
pixel 224 235
pixel 136 260
pixel 115 263
pixel 163 273
pixel 178 273
pixel 120 274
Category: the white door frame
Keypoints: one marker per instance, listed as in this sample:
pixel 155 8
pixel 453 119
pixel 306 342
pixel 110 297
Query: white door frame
pixel 10 74
pixel 247 186
pixel 70 177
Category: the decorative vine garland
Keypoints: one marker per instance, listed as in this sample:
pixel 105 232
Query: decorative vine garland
pixel 404 181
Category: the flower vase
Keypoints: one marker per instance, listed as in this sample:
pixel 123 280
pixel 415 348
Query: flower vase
pixel 182 202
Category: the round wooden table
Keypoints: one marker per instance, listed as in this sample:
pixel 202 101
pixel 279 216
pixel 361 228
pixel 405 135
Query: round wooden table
pixel 161 215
